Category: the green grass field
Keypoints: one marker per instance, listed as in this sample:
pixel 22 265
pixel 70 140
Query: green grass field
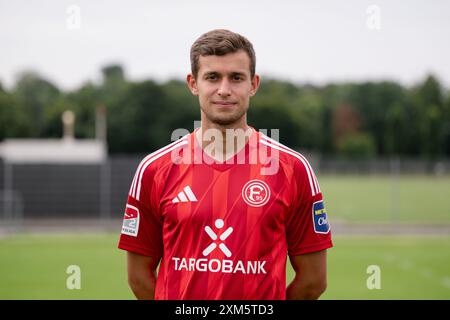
pixel 412 267
pixel 34 267
pixel 410 198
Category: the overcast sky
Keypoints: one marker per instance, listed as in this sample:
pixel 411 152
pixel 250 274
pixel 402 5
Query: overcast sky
pixel 303 41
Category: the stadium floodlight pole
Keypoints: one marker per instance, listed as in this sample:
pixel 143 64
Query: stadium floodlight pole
pixel 100 123
pixel 68 119
pixel 395 172
pixel 7 190
pixel 105 166
pixel 105 193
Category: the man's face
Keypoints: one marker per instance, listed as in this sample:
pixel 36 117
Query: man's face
pixel 224 87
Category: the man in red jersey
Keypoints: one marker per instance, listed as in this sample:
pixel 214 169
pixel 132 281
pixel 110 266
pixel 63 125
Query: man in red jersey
pixel 220 221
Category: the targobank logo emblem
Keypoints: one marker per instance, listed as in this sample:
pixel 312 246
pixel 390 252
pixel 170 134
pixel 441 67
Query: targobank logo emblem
pixel 219 225
pixel 216 265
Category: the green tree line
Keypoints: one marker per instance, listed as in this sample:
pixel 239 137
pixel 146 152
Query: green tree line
pixel 358 120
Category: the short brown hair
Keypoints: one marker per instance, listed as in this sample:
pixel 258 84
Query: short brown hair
pixel 219 42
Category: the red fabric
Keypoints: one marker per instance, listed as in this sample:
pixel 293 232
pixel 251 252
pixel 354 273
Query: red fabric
pixel 261 238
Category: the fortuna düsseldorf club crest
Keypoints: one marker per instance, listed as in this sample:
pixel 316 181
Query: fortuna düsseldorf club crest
pixel 256 193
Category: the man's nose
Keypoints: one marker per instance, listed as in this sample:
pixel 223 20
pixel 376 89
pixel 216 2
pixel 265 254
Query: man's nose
pixel 224 88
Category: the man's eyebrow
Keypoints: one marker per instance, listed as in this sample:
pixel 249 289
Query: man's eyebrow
pixel 211 73
pixel 233 73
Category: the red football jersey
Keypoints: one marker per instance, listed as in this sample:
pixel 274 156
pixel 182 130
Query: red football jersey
pixel 224 230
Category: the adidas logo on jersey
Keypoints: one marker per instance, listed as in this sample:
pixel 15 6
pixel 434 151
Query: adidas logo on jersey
pixel 185 196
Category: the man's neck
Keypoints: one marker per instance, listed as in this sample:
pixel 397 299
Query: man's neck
pixel 223 142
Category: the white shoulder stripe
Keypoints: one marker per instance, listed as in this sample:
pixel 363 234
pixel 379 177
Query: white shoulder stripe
pixel 308 167
pixel 311 178
pixel 152 156
pixel 138 191
pixel 317 183
pixel 134 184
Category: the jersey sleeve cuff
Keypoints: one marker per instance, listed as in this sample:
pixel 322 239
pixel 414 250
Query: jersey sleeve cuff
pixel 138 250
pixel 311 248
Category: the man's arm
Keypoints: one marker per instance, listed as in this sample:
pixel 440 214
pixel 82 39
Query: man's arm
pixel 142 275
pixel 310 279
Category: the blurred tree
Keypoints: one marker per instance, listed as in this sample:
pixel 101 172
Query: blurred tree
pixel 13 122
pixel 357 146
pixel 134 120
pixel 113 75
pixel 346 122
pixel 307 113
pixel 83 102
pixel 445 133
pixel 429 117
pixel 331 96
pixel 273 107
pixel 34 94
pixel 398 130
pixel 368 118
pixel 373 101
pixel 53 127
pixel 266 117
pixel 181 107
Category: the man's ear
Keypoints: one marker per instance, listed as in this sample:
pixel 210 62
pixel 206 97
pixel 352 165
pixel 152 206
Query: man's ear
pixel 255 85
pixel 192 84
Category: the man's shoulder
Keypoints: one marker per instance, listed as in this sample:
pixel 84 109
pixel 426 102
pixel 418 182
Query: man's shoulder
pixel 294 162
pixel 285 154
pixel 153 164
pixel 163 156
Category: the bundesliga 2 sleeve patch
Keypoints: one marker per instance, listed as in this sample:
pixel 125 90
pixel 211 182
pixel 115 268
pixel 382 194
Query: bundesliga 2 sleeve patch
pixel 130 224
pixel 321 224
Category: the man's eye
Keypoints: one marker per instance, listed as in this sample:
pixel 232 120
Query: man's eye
pixel 237 78
pixel 211 77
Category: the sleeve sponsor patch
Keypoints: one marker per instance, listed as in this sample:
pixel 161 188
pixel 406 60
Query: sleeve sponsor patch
pixel 319 213
pixel 130 224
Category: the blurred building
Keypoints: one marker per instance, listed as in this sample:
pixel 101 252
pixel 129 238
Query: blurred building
pixel 56 178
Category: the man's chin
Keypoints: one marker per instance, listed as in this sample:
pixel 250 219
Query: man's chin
pixel 224 121
pixel 224 117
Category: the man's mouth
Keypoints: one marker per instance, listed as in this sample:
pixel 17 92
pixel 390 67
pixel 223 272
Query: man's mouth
pixel 224 103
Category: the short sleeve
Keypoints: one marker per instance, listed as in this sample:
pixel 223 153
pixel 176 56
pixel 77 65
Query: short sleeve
pixel 142 224
pixel 307 226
